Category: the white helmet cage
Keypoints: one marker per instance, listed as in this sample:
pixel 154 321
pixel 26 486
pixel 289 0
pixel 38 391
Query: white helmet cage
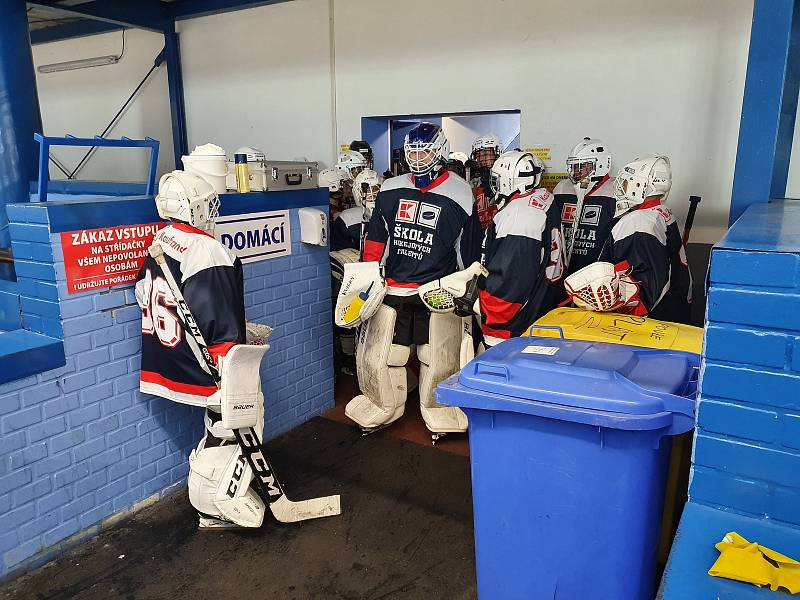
pixel 640 179
pixel 332 179
pixel 427 155
pixel 594 152
pixel 515 172
pixel 366 186
pixel 352 161
pixel 489 141
pixel 188 198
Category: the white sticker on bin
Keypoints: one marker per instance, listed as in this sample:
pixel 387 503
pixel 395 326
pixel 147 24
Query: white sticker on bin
pixel 548 350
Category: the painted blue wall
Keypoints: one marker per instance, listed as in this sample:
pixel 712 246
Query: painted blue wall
pixel 80 443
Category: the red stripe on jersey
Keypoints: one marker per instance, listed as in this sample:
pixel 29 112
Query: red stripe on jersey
pixel 435 183
pixel 498 310
pixel 596 186
pixel 373 251
pixel 175 386
pixel 185 227
pixel 221 349
pixel 400 284
pixel 498 333
pixel 650 203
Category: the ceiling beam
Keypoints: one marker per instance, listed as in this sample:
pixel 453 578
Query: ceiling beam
pixel 84 27
pixel 187 9
pixel 143 14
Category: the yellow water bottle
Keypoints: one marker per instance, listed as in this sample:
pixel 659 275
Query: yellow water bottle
pixel 355 306
pixel 242 173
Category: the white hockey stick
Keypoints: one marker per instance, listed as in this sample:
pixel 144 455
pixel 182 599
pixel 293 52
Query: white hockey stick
pixel 283 509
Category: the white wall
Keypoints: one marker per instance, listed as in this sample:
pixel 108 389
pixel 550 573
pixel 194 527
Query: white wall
pixel 261 77
pixel 82 102
pixel 644 76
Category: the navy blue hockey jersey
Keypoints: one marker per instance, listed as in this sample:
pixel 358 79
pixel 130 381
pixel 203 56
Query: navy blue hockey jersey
pixel 422 234
pixel 648 238
pixel 524 254
pixel 347 229
pixel 210 278
pixel 596 219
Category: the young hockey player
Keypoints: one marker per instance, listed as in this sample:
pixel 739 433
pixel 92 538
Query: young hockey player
pixel 485 151
pixel 365 150
pixel 349 226
pixel 643 264
pixel 587 202
pixel 524 249
pixel 423 227
pixel 333 179
pixel 350 164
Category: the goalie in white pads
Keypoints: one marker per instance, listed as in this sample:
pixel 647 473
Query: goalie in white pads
pixel 423 227
pixel 195 350
pixel 642 269
pixel 524 250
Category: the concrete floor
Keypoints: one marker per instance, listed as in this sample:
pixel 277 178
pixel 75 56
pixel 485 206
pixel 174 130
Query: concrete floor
pixel 405 532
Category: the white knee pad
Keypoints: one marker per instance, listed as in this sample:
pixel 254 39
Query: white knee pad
pixel 219 485
pixel 381 373
pixel 439 359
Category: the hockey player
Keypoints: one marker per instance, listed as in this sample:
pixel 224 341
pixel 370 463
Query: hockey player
pixel 589 192
pixel 485 151
pixel 333 179
pixel 422 228
pixel 209 276
pixel 524 249
pixel 643 262
pixel 348 226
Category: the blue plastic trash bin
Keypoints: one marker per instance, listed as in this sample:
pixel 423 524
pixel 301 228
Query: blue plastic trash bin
pixel 569 445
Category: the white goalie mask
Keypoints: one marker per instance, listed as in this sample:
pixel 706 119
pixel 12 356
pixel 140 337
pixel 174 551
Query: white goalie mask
pixel 366 186
pixel 588 160
pixel 351 162
pixel 515 172
pixel 188 198
pixel 641 179
pixel 426 149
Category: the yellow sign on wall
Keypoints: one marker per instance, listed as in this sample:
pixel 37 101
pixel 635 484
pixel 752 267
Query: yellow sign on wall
pixel 344 147
pixel 543 152
pixel 550 180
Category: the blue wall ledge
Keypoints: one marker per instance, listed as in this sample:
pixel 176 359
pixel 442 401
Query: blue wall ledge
pixel 26 353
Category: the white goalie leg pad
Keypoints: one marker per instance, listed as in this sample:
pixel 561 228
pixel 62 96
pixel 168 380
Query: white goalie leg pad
pixel 439 359
pixel 219 486
pixel 381 373
pixel 241 399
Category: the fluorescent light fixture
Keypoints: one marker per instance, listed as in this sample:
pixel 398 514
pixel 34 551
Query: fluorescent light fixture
pixel 83 63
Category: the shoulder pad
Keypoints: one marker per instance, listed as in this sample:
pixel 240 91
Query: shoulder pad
pixel 399 182
pixel 521 218
pixel 565 186
pixel 641 221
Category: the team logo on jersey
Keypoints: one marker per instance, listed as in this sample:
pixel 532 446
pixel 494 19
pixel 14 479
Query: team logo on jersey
pixel 428 215
pixel 568 213
pixel 591 215
pixel 407 211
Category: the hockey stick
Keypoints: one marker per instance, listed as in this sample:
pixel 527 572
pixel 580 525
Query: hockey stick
pixel 687 226
pixel 283 509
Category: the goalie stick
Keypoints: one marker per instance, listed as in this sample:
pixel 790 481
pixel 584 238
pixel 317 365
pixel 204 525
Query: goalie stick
pixel 283 509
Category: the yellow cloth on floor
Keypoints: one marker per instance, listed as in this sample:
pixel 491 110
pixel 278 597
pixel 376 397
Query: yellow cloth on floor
pixel 752 563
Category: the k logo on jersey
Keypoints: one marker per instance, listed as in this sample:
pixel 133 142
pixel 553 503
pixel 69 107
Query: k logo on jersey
pixel 591 215
pixel 407 211
pixel 428 215
pixel 568 213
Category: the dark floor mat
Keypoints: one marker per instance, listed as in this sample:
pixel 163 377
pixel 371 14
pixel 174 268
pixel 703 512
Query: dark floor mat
pixel 405 532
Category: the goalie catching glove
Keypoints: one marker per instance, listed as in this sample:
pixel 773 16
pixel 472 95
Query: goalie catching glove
pixel 362 292
pixel 602 287
pixel 457 292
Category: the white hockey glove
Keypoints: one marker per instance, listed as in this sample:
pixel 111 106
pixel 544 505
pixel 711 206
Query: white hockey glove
pixel 602 287
pixel 362 292
pixel 457 292
pixel 257 334
pixel 240 394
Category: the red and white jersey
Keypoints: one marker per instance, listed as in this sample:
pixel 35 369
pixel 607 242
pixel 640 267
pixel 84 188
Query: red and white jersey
pixel 210 278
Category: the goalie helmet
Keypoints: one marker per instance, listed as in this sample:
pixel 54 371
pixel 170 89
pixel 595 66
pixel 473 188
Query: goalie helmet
pixel 187 198
pixel 515 172
pixel 644 178
pixel 366 186
pixel 426 149
pixel 486 148
pixel 331 179
pixel 352 162
pixel 588 160
pixel 365 150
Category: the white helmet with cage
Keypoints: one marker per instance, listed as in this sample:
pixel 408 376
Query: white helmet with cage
pixel 366 186
pixel 486 149
pixel 426 149
pixel 331 179
pixel 187 198
pixel 515 172
pixel 589 160
pixel 352 162
pixel 643 178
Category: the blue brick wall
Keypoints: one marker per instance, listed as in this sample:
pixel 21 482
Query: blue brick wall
pixel 81 443
pixel 747 449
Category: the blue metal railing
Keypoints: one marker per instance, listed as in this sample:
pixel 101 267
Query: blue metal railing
pixel 46 142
